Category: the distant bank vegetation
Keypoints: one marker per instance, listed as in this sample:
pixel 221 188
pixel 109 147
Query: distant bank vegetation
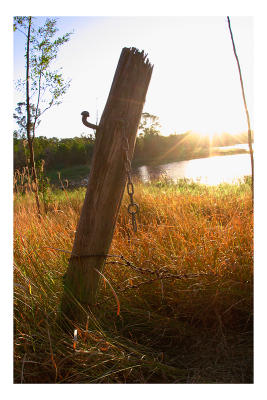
pixel 151 147
pixel 63 153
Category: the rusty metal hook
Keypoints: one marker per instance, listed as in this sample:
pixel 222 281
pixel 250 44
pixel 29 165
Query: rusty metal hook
pixel 85 115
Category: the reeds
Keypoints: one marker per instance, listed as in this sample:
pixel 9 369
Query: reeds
pixel 197 329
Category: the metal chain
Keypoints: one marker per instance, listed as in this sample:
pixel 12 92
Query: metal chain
pixel 133 207
pixel 161 274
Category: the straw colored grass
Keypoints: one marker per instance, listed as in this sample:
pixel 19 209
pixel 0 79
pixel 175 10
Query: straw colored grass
pixel 197 329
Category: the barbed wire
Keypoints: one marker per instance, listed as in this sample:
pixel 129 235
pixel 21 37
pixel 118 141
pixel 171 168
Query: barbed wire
pixel 156 275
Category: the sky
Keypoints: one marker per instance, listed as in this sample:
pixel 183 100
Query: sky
pixel 195 84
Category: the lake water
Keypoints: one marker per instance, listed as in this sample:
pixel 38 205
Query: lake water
pixel 210 171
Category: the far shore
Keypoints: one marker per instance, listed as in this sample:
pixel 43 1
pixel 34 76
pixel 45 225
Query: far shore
pixel 77 175
pixel 214 152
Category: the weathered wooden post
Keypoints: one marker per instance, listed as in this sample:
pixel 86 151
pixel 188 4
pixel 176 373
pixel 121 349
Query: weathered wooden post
pixel 118 126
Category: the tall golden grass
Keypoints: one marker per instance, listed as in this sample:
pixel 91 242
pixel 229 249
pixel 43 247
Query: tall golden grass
pixel 197 329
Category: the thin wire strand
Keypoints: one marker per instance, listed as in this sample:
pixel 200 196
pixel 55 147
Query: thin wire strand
pixel 245 105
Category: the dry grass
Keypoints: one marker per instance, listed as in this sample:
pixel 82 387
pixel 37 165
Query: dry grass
pixel 191 330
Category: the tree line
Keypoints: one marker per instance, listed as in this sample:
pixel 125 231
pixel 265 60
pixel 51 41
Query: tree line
pixel 150 147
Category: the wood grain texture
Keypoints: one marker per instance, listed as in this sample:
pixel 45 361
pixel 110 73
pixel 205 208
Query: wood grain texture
pixel 107 180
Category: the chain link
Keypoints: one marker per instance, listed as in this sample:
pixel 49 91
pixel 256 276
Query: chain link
pixel 133 207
